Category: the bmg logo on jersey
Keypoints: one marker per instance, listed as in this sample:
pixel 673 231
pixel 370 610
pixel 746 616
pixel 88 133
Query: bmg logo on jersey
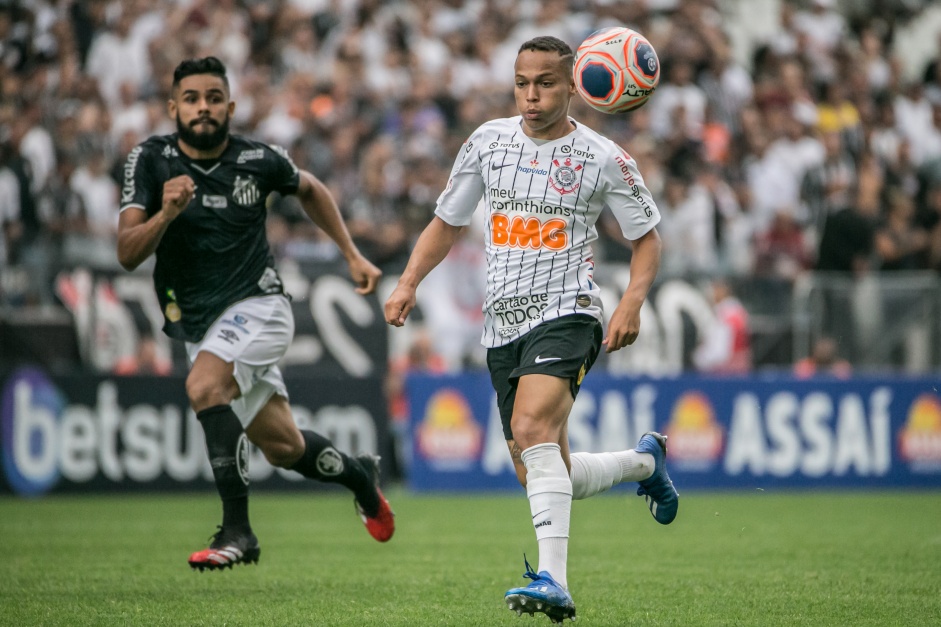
pixel 528 232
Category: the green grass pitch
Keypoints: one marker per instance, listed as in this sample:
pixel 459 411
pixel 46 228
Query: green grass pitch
pixel 756 558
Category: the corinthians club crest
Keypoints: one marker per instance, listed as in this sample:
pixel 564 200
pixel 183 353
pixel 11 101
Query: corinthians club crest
pixel 245 191
pixel 563 177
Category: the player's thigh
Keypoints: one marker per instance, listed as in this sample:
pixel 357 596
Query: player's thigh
pixel 274 431
pixel 250 337
pixel 542 406
pixel 210 381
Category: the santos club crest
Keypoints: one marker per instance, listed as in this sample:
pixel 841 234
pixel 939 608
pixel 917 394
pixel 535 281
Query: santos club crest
pixel 563 177
pixel 245 191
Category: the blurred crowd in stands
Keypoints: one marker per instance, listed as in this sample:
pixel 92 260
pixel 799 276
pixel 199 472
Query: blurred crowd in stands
pixel 784 136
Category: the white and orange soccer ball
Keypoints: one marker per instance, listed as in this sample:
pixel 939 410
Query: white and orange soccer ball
pixel 616 70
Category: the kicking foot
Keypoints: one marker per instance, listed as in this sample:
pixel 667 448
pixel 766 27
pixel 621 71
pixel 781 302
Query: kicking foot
pixel 373 508
pixel 662 498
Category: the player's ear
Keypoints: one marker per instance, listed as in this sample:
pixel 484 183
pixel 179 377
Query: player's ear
pixel 171 108
pixel 231 108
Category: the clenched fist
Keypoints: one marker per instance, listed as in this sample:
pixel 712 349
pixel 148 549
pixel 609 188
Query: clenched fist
pixel 177 193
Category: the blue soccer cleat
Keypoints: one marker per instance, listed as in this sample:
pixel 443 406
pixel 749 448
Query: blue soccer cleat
pixel 661 496
pixel 542 595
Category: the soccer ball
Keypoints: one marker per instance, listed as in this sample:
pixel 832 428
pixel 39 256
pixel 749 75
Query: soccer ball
pixel 616 70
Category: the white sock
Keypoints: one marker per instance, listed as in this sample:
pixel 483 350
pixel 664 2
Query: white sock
pixel 593 473
pixel 549 489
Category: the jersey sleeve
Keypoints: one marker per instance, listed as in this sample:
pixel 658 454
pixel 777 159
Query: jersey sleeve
pixel 465 187
pixel 285 177
pixel 627 196
pixel 140 184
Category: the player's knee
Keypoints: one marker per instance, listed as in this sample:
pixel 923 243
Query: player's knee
pixel 203 393
pixel 528 430
pixel 282 453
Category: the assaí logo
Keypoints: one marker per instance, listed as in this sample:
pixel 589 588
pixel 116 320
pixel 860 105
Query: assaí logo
pixel 46 440
pixel 695 437
pixel 920 438
pixel 449 437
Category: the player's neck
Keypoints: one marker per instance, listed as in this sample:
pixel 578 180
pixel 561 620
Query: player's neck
pixel 560 129
pixel 197 154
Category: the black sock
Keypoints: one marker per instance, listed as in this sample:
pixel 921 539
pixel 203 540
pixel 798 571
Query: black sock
pixel 228 454
pixel 323 462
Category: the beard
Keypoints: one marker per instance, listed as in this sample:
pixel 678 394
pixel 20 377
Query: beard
pixel 203 141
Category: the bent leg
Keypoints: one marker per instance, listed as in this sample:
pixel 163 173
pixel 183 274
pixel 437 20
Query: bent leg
pixel 594 473
pixel 310 454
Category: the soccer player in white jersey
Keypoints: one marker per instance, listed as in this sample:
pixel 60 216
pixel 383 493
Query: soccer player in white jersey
pixel 545 179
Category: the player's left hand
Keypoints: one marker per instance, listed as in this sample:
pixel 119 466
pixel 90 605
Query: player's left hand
pixel 623 329
pixel 365 275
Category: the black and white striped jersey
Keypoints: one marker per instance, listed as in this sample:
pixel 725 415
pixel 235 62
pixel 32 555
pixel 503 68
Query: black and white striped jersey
pixel 542 202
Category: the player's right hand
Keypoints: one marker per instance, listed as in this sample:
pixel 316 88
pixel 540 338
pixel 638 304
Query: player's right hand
pixel 400 303
pixel 177 193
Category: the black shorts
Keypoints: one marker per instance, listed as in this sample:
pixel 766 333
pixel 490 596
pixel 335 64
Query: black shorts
pixel 565 347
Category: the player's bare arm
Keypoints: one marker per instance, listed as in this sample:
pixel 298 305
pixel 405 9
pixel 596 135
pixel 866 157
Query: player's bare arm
pixel 139 237
pixel 625 321
pixel 318 203
pixel 432 247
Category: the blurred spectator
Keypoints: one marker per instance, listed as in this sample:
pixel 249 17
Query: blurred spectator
pixel 809 121
pixel 898 241
pixel 824 360
pixel 373 212
pixel 678 105
pixel 827 188
pixel 687 228
pixel 929 219
pixel 118 56
pixel 847 242
pixel 781 251
pixel 10 195
pixel 92 242
pixel 819 30
pixel 725 347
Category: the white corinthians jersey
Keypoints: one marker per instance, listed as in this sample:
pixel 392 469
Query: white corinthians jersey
pixel 542 202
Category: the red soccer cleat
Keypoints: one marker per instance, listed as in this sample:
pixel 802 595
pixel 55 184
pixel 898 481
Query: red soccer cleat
pixel 381 525
pixel 227 549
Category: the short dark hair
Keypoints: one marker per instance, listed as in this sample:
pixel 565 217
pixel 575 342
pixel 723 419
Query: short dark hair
pixel 546 43
pixel 205 65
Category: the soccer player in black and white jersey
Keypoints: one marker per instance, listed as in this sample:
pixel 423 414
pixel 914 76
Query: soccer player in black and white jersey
pixel 544 179
pixel 196 199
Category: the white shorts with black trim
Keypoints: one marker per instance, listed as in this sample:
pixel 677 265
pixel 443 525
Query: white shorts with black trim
pixel 253 335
